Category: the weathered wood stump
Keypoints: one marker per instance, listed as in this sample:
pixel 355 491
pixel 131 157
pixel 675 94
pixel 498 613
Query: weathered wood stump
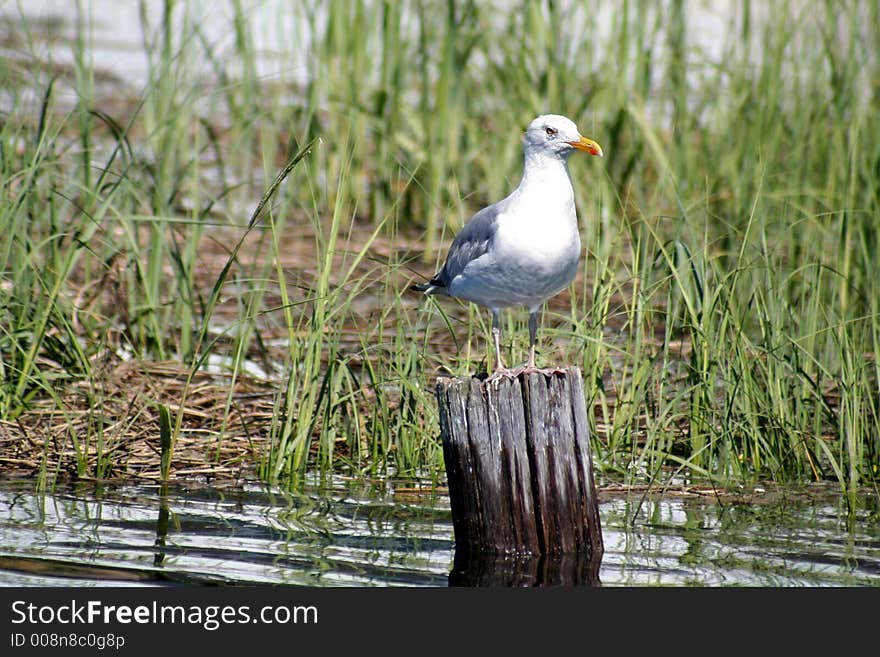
pixel 518 465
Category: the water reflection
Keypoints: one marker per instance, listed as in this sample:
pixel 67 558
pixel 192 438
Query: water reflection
pixel 354 534
pixel 692 542
pixel 526 570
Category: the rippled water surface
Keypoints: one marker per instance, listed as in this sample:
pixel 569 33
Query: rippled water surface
pixel 356 534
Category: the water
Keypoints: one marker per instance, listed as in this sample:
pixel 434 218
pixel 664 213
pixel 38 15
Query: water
pixel 116 32
pixel 363 534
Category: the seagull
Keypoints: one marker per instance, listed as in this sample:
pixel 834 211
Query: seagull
pixel 524 249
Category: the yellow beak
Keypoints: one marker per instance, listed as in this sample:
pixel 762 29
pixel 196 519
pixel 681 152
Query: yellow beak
pixel 587 145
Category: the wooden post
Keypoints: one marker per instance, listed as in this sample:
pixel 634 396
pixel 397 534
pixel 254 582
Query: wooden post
pixel 518 465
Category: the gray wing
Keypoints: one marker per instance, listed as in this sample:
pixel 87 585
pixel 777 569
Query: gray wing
pixel 472 242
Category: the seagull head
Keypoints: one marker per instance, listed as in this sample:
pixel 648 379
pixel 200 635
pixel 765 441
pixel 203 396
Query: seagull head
pixel 552 133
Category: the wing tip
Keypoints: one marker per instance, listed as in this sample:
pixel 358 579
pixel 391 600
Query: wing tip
pixel 428 288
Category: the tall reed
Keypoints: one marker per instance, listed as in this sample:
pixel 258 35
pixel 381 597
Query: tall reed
pixel 726 317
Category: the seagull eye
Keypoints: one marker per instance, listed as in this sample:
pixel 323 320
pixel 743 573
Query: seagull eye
pixel 551 131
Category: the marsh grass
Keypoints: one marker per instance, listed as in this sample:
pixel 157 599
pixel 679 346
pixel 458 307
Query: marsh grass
pixel 726 317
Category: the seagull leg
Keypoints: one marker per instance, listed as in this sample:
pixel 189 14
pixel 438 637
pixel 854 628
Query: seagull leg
pixel 500 370
pixel 533 341
pixel 496 337
pixel 533 337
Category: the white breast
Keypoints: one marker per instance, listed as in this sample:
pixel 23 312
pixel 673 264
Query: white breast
pixel 540 247
pixel 535 250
